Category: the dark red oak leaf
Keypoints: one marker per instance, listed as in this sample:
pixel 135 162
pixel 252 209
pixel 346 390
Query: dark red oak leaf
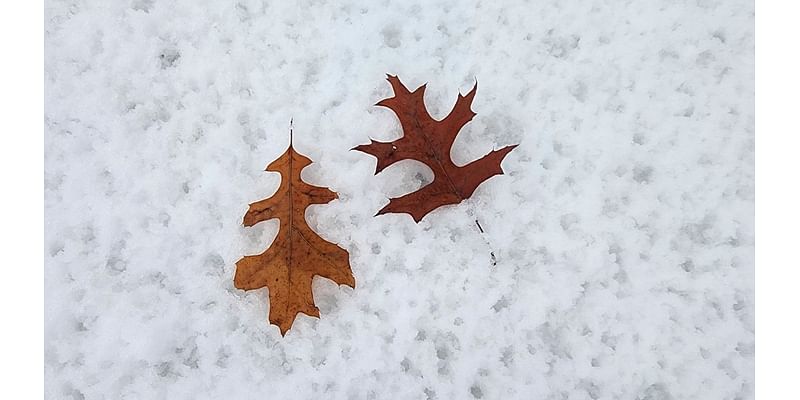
pixel 430 141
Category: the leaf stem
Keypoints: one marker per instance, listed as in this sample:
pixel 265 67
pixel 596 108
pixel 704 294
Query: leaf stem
pixel 471 213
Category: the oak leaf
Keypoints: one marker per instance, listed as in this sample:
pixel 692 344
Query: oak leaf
pixel 288 266
pixel 430 141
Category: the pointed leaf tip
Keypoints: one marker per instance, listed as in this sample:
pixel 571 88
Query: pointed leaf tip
pixel 283 330
pixel 473 91
pixel 359 146
pixel 362 148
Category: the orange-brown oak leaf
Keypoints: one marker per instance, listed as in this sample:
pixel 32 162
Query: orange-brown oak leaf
pixel 430 141
pixel 288 266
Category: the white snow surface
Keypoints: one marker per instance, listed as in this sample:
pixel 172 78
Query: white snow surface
pixel 623 227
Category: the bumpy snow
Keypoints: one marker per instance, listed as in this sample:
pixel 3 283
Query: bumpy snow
pixel 623 227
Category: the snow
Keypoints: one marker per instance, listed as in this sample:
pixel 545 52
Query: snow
pixel 623 227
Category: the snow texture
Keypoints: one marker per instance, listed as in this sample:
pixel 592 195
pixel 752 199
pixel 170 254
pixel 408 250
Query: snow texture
pixel 623 227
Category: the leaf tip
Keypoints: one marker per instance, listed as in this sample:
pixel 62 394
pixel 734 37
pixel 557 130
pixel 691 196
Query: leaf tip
pixel 379 167
pixel 283 330
pixel 510 147
pixel 473 91
pixel 248 220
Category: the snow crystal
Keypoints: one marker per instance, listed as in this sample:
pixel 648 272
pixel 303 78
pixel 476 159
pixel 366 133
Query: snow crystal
pixel 623 227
